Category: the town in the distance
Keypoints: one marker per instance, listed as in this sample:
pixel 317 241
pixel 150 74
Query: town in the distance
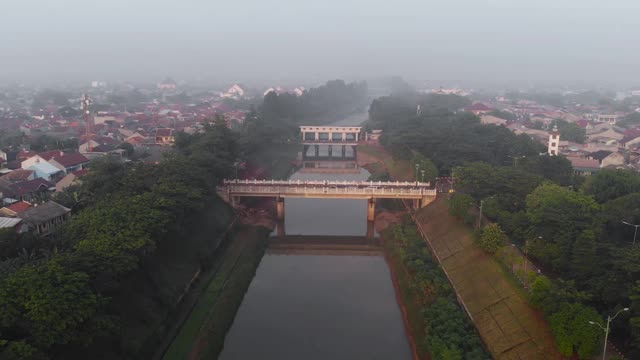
pixel 379 218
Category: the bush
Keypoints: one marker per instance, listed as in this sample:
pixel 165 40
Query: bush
pixel 459 205
pixel 492 238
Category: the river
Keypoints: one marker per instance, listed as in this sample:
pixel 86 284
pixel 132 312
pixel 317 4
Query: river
pixel 308 306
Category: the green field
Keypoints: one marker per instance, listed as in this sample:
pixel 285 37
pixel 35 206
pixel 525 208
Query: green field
pixel 202 334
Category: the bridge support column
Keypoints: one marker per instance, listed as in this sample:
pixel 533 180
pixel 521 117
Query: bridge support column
pixel 344 149
pixel 317 136
pixel 417 203
pixel 371 209
pixel 280 229
pixel 330 150
pixel 235 201
pixel 370 229
pixel 317 149
pixel 280 208
pixel 344 136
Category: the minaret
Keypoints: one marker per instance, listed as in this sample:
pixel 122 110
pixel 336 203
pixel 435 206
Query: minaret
pixel 554 142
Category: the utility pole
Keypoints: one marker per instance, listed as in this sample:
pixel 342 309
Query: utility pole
pixel 85 102
pixel 635 232
pixel 606 331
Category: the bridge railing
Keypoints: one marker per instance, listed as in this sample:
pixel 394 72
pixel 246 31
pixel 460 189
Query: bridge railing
pixel 329 190
pixel 329 183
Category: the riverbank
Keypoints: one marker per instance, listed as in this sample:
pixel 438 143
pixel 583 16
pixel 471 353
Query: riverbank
pixel 509 326
pixel 202 334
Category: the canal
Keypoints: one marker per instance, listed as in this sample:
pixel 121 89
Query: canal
pixel 310 306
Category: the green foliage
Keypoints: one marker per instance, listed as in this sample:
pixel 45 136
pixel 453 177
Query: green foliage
pixel 427 171
pixel 492 238
pixel 570 131
pixel 459 205
pixel 450 335
pixel 557 217
pixel 125 213
pixel 573 333
pixel 609 184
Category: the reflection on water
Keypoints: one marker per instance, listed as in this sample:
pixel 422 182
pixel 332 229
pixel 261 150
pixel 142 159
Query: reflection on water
pixel 320 306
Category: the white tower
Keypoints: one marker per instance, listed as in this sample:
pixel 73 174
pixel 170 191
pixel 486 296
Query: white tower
pixel 554 142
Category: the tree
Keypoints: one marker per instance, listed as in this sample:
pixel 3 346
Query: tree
pixel 557 216
pixel 570 131
pixel 609 184
pixel 427 171
pixel 492 238
pixel 459 205
pixel 573 333
pixel 584 255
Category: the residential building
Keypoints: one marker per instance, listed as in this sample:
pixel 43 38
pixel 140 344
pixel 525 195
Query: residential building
pixel 14 209
pixel 44 219
pixel 164 136
pixel 70 162
pixel 582 166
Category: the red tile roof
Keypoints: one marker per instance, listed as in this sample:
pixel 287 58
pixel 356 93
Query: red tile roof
pixel 71 159
pixel 28 186
pixel 19 206
pixel 48 155
pixel 164 132
pixel 18 175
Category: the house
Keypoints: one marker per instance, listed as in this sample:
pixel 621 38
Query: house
pixel 71 179
pixel 88 146
pixel 11 223
pixel 46 171
pixel 478 108
pixel 32 160
pixel 492 120
pixel 31 190
pixel 164 136
pixel 70 162
pixel 19 175
pixel 14 209
pixel 43 219
pixel 582 166
pixel 613 160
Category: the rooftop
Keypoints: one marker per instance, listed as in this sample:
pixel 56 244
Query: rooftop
pixel 42 213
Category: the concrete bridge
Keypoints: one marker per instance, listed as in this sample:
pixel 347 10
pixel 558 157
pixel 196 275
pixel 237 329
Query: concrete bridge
pixel 421 193
pixel 322 135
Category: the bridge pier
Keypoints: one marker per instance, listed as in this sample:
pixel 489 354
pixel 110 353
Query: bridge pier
pixel 280 208
pixel 371 209
pixel 280 229
pixel 370 229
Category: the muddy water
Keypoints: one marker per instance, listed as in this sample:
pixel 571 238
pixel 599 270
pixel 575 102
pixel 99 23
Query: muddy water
pixel 308 306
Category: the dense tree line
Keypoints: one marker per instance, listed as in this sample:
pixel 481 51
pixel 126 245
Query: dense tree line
pixel 277 119
pixel 578 234
pixel 440 132
pixel 571 227
pixel 73 294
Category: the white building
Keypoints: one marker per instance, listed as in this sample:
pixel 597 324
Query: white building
pixel 554 142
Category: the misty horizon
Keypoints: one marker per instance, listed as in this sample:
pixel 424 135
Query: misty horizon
pixel 514 43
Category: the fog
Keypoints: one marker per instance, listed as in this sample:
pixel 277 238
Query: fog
pixel 491 41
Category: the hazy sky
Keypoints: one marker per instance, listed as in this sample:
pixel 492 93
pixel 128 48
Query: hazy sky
pixel 520 41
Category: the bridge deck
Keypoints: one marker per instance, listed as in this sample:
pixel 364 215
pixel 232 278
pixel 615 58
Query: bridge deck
pixel 328 189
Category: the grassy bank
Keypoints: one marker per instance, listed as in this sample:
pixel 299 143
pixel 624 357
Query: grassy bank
pixel 202 334
pixel 438 326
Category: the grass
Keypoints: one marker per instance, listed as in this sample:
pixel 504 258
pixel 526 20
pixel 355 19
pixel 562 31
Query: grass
pixel 417 324
pixel 509 325
pixel 236 267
